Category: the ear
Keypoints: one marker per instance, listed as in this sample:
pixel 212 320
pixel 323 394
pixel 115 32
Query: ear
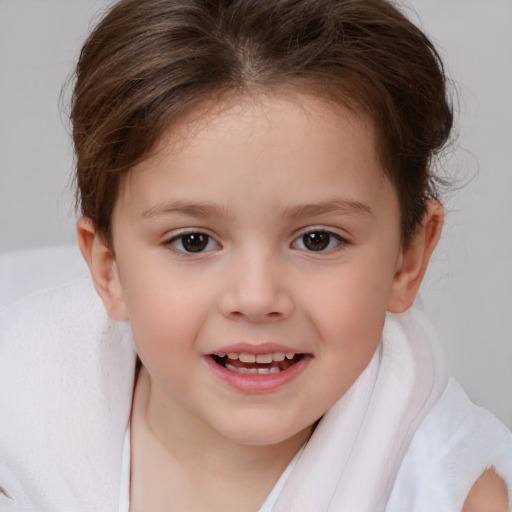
pixel 414 259
pixel 103 268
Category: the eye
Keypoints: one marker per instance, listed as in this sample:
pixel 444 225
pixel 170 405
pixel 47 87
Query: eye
pixel 193 242
pixel 318 241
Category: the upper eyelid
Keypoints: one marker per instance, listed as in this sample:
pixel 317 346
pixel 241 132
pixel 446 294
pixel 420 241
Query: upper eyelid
pixel 177 233
pixel 337 232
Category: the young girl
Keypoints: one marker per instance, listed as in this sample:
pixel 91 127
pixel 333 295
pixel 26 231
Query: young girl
pixel 258 212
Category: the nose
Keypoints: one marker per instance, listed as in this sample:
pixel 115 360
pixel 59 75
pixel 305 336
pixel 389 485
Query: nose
pixel 254 290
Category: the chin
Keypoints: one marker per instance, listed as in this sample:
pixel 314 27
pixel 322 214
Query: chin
pixel 260 433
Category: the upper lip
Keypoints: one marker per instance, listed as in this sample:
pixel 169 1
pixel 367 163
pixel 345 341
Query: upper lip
pixel 262 348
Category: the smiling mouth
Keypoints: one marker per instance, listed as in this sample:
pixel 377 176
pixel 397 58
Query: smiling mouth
pixel 257 364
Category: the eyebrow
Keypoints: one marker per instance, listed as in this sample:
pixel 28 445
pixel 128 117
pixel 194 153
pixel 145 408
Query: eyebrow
pixel 338 205
pixel 202 210
pixel 191 209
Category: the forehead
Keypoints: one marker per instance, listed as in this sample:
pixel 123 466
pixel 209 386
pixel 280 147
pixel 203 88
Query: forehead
pixel 286 105
pixel 290 141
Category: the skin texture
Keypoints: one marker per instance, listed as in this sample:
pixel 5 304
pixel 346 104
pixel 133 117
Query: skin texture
pixel 253 176
pixel 489 494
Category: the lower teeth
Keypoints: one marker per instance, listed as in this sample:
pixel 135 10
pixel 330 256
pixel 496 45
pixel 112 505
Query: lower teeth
pixel 253 371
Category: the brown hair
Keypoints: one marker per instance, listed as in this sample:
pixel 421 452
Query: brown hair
pixel 149 60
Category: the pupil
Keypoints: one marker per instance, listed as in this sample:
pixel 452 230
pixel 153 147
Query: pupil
pixel 195 242
pixel 317 241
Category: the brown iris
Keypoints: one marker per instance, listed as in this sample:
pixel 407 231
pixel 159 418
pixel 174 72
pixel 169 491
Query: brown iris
pixel 194 242
pixel 316 240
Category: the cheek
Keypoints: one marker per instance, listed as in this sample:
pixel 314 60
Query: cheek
pixel 165 309
pixel 157 313
pixel 350 307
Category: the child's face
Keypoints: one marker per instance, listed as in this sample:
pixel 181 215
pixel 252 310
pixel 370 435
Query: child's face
pixel 269 229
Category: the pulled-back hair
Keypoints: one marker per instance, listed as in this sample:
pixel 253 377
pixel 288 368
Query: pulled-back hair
pixel 149 60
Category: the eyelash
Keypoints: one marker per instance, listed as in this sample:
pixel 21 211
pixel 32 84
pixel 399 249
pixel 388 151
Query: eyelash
pixel 204 242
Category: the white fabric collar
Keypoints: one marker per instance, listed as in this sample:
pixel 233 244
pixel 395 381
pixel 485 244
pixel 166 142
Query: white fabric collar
pixel 353 457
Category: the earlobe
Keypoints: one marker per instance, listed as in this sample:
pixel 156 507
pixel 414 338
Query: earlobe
pixel 103 268
pixel 415 257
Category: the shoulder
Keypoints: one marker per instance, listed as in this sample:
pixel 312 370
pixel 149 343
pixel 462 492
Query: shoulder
pixel 445 465
pixel 63 364
pixel 52 345
pixel 37 332
pixel 488 494
pixel 52 338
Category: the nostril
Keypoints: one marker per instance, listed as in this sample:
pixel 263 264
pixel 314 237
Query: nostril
pixel 246 303
pixel 273 315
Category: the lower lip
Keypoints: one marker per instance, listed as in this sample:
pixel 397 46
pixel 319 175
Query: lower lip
pixel 258 383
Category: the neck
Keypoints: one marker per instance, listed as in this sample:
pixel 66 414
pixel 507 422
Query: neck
pixel 189 445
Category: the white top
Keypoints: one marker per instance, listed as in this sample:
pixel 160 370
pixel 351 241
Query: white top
pixel 453 446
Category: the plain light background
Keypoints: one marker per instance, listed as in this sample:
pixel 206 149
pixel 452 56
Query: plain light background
pixel 468 291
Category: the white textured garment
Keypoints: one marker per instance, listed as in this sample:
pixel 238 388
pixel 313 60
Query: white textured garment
pixel 60 352
pixel 352 459
pixel 453 445
pixel 66 384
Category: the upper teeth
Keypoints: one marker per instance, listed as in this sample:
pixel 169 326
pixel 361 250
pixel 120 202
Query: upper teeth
pixel 245 357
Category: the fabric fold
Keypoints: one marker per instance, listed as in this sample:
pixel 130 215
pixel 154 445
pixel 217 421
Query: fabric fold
pixel 353 457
